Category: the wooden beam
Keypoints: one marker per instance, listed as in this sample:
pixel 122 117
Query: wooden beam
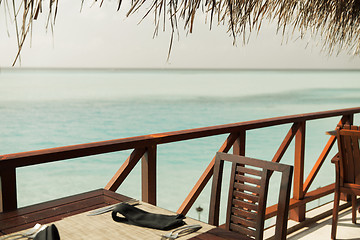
pixel 205 177
pixel 125 169
pixel 309 197
pixel 240 143
pixel 286 142
pixel 8 195
pixel 298 214
pixel 216 193
pixel 148 176
pixel 319 163
pixel 81 150
pixel 323 155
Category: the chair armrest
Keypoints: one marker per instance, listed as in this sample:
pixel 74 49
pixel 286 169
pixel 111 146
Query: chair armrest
pixel 336 158
pixel 332 132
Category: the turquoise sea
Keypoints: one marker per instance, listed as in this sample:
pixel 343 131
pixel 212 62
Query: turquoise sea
pixel 50 108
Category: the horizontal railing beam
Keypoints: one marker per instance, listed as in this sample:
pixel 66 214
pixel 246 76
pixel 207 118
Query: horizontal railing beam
pixel 309 197
pixel 81 150
pixel 205 177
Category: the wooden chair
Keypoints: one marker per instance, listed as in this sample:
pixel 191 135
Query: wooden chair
pixel 248 191
pixel 347 170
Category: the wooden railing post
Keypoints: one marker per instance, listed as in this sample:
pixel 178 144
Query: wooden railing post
pixel 298 214
pixel 205 177
pixel 8 198
pixel 148 176
pixel 239 144
pixel 348 119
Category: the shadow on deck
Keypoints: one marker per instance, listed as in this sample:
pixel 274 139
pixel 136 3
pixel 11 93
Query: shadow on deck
pixel 317 225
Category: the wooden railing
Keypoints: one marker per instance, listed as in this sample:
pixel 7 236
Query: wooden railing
pixel 145 148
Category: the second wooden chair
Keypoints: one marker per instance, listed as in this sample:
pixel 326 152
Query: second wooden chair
pixel 347 167
pixel 248 192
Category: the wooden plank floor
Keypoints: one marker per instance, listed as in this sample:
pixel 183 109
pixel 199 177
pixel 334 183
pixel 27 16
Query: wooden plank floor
pixel 320 229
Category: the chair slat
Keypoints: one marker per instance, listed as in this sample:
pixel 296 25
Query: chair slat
pixel 243 230
pixel 244 213
pixel 242 178
pixel 247 187
pixel 242 195
pixel 349 160
pixel 355 144
pixel 251 171
pixel 243 221
pixel 242 204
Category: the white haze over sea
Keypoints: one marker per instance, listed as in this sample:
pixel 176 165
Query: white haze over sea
pixel 50 108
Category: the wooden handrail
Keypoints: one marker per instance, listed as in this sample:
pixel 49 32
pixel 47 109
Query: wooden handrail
pixel 22 159
pixel 145 147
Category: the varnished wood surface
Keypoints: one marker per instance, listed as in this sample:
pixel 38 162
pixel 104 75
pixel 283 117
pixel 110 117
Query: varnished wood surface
pixel 51 211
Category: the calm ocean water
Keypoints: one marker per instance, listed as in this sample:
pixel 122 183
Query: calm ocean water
pixel 49 108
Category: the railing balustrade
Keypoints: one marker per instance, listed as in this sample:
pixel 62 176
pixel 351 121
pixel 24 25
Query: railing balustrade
pixel 145 148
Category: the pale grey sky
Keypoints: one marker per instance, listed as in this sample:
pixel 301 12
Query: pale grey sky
pixel 103 38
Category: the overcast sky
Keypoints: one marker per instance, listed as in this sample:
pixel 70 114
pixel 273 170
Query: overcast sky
pixel 103 38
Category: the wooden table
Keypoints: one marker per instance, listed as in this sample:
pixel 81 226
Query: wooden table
pixel 70 217
pixel 55 210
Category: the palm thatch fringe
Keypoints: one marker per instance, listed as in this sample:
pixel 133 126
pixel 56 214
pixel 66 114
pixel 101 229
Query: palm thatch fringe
pixel 336 22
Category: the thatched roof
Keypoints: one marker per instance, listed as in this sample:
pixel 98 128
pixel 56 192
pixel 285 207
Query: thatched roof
pixel 336 22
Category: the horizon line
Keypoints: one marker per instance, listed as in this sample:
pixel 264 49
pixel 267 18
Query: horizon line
pixel 172 69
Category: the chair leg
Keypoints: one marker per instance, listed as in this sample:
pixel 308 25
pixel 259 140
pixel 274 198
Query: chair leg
pixel 335 215
pixel 353 201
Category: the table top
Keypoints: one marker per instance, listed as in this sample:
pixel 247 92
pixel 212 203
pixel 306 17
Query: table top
pixel 82 226
pixel 54 210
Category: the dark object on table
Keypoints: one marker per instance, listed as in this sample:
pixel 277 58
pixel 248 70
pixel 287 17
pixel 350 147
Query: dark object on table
pixel 138 217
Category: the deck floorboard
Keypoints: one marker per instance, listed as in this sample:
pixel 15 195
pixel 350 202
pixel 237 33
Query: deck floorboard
pixel 320 229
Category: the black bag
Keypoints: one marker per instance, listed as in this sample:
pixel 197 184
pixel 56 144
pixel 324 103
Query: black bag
pixel 138 217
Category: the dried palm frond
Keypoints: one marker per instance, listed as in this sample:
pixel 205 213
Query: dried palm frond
pixel 24 13
pixel 337 23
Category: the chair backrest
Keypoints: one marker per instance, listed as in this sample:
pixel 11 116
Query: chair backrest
pixel 248 191
pixel 348 143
